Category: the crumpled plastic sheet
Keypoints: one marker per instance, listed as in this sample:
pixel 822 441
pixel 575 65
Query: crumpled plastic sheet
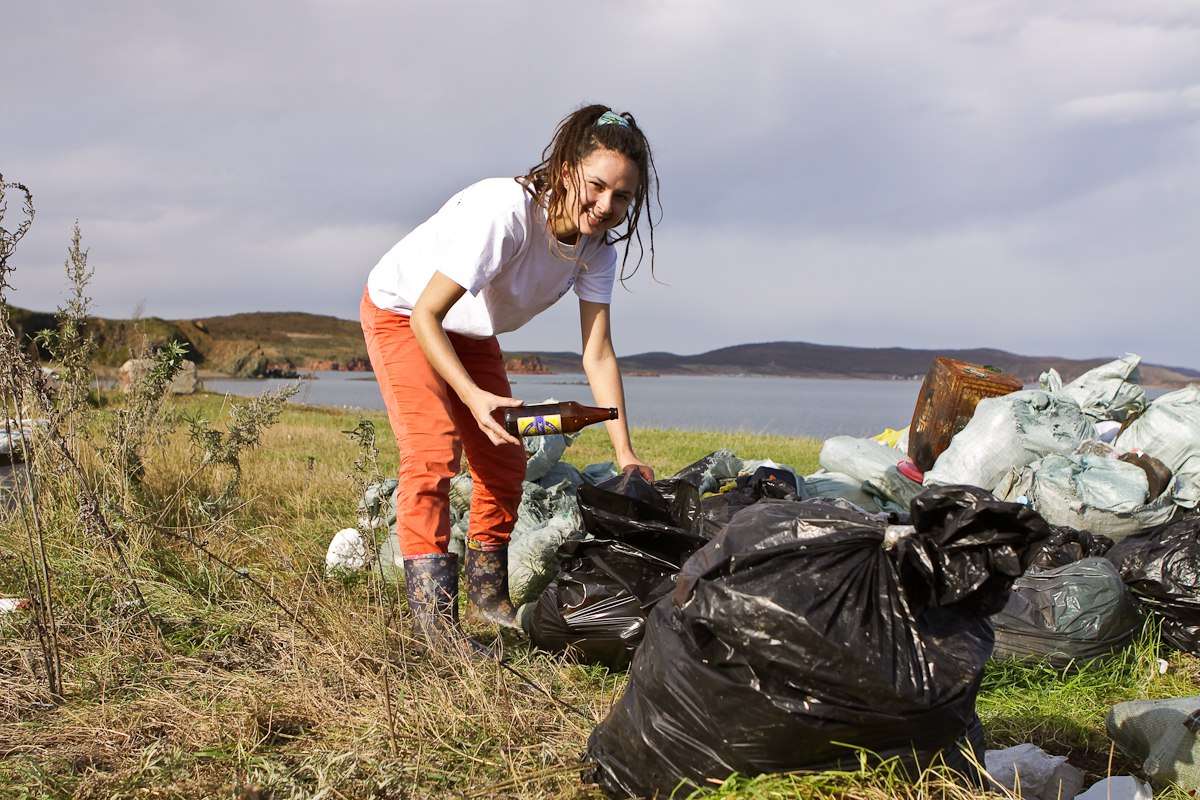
pixel 1110 391
pixel 1162 569
pixel 1008 433
pixel 804 628
pixel 1170 431
pixel 1072 613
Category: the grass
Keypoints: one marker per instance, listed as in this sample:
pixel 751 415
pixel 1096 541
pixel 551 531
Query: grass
pixel 327 694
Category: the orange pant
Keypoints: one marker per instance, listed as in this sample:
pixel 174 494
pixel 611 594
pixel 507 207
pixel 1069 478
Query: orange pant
pixel 432 426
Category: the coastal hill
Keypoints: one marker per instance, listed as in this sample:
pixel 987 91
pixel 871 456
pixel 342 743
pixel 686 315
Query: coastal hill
pixel 278 343
pixel 805 359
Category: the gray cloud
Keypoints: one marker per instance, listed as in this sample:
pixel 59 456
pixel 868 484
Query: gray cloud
pixel 942 174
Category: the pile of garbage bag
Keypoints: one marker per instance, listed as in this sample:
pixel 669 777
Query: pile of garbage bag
pixel 635 537
pixel 1071 450
pixel 805 629
pixel 1162 569
pixel 1066 615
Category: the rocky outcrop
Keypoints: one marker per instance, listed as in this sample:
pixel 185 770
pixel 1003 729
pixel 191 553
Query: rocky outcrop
pixel 526 365
pixel 329 365
pixel 135 369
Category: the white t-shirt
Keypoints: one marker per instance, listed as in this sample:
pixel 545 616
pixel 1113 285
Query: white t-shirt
pixel 491 238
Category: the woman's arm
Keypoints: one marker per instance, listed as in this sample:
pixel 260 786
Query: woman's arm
pixel 427 315
pixel 604 376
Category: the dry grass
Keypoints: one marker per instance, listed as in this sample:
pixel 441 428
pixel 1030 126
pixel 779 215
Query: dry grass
pixel 326 694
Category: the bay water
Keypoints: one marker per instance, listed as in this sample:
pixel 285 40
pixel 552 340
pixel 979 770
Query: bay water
pixel 757 404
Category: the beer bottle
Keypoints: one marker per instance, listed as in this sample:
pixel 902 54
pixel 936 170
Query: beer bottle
pixel 547 418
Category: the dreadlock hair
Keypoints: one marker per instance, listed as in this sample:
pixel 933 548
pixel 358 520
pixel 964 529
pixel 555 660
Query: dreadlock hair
pixel 577 137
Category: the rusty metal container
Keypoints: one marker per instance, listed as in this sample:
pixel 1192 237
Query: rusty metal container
pixel 946 403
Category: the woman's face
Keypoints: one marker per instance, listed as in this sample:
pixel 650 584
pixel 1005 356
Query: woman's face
pixel 604 186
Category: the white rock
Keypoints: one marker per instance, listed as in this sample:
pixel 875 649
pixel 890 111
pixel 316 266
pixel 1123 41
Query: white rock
pixel 347 552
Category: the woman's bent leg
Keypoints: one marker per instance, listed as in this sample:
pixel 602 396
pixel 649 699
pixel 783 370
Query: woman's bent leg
pixel 497 472
pixel 418 403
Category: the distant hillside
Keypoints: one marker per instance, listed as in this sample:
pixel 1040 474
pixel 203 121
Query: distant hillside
pixel 265 343
pixel 804 359
pixel 248 345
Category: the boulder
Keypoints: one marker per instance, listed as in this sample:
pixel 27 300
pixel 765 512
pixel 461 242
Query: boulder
pixel 135 369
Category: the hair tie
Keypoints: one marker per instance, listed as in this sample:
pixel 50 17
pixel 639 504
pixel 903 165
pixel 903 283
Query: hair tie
pixel 611 118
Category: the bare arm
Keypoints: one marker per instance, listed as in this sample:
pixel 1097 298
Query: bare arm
pixel 427 316
pixel 604 376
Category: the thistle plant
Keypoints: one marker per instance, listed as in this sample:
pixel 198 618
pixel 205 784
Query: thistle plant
pixel 247 422
pixel 70 345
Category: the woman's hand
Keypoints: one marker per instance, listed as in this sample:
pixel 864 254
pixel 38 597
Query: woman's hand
pixel 481 404
pixel 635 464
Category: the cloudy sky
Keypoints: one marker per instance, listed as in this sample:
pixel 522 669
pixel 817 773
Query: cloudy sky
pixel 1024 175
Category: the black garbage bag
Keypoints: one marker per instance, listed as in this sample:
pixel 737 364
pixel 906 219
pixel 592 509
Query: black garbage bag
pixel 804 630
pixel 1069 614
pixel 638 536
pixel 716 510
pixel 1161 567
pixel 1066 546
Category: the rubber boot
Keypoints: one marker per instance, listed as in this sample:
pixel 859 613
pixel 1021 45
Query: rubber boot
pixel 431 583
pixel 487 587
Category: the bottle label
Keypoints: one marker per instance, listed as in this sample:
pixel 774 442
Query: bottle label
pixel 539 425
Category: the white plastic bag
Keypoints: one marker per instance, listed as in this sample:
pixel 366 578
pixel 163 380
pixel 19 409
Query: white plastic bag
pixel 874 465
pixel 1008 433
pixel 1109 391
pixel 1039 775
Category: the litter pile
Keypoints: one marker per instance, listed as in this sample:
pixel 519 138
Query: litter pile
pixel 1093 457
pixel 773 621
pixel 804 629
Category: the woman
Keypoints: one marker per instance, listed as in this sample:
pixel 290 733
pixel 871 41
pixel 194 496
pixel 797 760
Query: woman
pixel 497 254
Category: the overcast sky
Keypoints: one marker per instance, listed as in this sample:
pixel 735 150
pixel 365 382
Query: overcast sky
pixel 1024 175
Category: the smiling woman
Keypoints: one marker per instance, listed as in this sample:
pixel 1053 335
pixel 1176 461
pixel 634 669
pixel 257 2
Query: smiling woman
pixel 497 254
